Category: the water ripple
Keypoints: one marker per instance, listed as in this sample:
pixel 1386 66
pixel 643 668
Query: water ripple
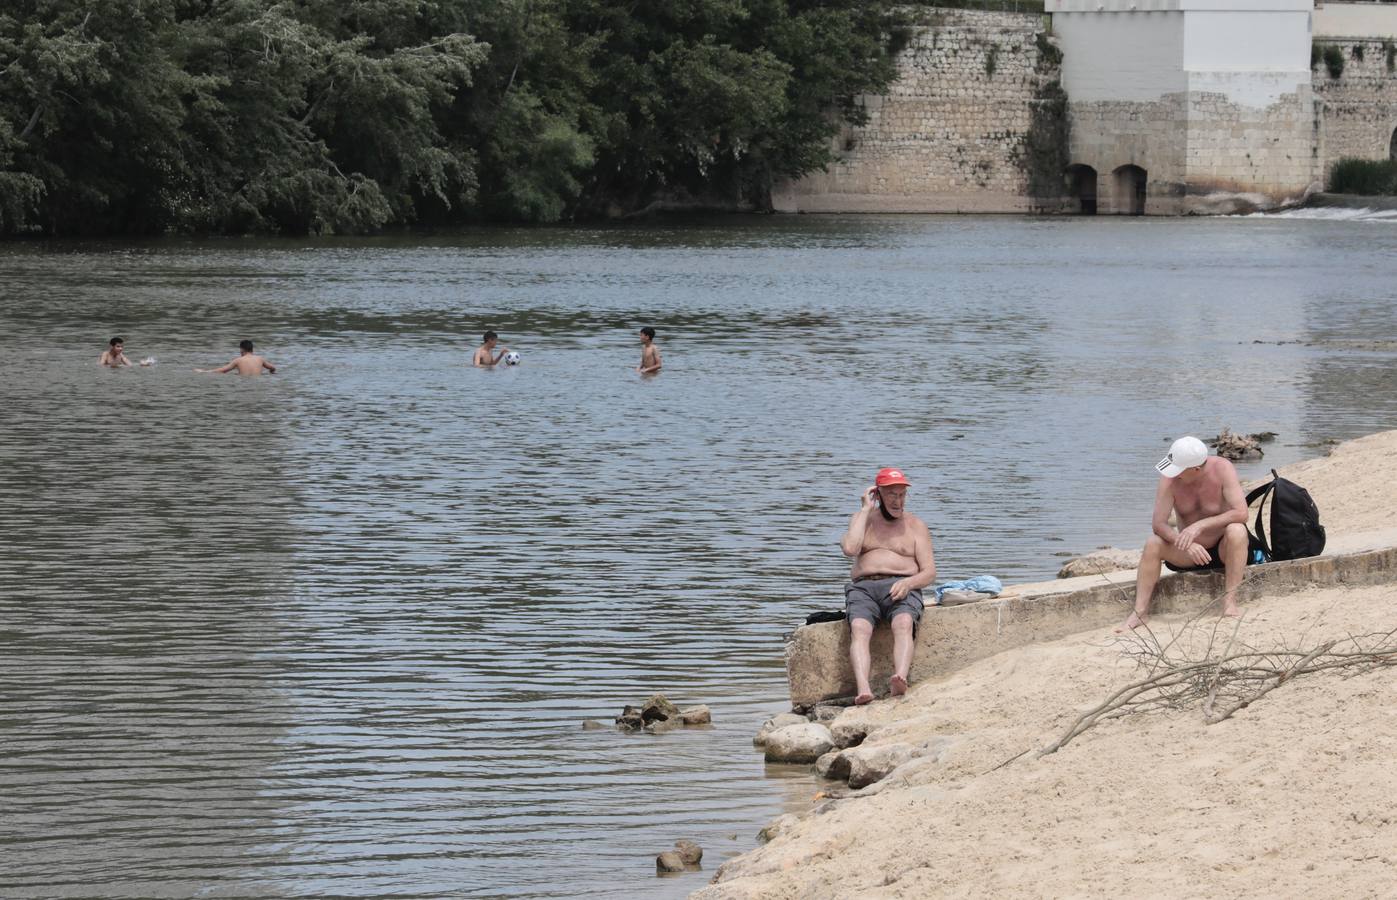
pixel 333 633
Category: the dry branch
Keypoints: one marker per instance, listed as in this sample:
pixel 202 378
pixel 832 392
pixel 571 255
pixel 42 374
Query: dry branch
pixel 1226 682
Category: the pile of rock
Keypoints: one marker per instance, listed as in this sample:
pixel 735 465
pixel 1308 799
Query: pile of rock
pixel 867 764
pixel 1241 446
pixel 793 738
pixel 836 744
pixel 657 715
pixel 686 855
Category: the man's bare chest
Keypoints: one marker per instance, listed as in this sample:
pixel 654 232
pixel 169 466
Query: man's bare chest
pixel 897 538
pixel 1203 498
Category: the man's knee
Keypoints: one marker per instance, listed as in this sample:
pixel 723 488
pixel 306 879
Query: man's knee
pixel 1155 545
pixel 1235 540
pixel 861 628
pixel 902 623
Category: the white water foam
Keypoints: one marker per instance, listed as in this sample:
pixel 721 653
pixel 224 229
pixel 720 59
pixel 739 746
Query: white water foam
pixel 1328 214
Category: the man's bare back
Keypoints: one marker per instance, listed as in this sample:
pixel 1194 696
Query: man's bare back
pixel 251 364
pixel 248 363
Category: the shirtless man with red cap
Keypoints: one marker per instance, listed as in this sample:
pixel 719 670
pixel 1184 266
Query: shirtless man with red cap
pixel 893 561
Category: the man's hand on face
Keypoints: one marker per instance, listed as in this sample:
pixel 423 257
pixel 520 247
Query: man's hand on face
pixel 900 588
pixel 869 500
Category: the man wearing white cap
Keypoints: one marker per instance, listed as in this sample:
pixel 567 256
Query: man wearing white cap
pixel 1204 494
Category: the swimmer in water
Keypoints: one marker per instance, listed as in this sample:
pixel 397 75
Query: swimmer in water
pixel 484 357
pixel 247 363
pixel 114 357
pixel 650 355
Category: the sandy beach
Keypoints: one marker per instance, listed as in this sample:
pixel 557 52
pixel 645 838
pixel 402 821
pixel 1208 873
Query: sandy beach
pixel 1291 795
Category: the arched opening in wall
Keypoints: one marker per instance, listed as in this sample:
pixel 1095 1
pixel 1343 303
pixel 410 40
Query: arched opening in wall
pixel 1080 182
pixel 1130 190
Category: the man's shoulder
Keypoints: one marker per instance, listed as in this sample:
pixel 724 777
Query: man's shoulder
pixel 914 521
pixel 1222 466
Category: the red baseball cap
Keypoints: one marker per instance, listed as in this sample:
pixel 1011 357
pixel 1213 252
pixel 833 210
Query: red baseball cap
pixel 890 476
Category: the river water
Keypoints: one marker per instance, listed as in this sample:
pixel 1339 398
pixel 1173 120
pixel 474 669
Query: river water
pixel 334 632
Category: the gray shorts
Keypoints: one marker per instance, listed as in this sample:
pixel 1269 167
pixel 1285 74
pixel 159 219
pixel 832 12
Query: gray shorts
pixel 870 599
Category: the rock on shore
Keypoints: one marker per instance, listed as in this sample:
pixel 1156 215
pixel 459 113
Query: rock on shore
pixel 1240 446
pixel 1105 559
pixel 798 743
pixel 659 715
pixel 685 856
pixel 782 720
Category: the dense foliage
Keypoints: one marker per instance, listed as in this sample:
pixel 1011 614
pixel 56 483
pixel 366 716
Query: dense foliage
pixel 302 116
pixel 1373 177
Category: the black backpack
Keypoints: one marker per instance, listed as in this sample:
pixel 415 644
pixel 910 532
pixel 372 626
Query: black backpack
pixel 1295 528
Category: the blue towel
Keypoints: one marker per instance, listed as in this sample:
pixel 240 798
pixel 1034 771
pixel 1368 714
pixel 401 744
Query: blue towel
pixel 984 584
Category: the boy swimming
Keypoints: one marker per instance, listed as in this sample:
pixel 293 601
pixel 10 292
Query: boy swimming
pixel 247 363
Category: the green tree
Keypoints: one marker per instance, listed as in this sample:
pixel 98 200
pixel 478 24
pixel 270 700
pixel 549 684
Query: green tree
pixel 352 115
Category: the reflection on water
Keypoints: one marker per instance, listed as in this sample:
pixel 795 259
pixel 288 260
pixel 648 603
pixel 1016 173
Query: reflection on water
pixel 334 632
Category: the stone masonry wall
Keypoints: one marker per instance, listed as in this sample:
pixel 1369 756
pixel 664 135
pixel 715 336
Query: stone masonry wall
pixel 1358 110
pixel 1242 157
pixel 952 134
pixel 963 130
pixel 1109 134
pixel 1201 153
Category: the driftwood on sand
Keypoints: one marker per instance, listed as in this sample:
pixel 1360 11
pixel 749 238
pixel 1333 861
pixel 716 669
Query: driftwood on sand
pixel 1189 669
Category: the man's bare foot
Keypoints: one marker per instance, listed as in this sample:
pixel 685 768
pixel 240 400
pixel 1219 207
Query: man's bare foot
pixel 1232 612
pixel 863 699
pixel 1135 621
pixel 897 685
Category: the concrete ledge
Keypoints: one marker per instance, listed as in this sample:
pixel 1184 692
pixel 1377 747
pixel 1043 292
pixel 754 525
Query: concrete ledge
pixel 949 638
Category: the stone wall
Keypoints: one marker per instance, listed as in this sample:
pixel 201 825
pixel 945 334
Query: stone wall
pixel 1110 134
pixel 1188 107
pixel 960 131
pixel 1359 108
pixel 1202 153
pixel 1240 156
pixel 978 121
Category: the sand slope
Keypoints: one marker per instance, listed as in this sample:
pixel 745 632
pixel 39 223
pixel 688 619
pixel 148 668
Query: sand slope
pixel 1296 794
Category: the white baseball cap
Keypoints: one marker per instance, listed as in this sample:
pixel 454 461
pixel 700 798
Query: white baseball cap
pixel 1186 453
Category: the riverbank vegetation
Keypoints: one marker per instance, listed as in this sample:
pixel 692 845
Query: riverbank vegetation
pixel 233 116
pixel 1370 177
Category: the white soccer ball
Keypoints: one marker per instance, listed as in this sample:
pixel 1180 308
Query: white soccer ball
pixel 511 358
